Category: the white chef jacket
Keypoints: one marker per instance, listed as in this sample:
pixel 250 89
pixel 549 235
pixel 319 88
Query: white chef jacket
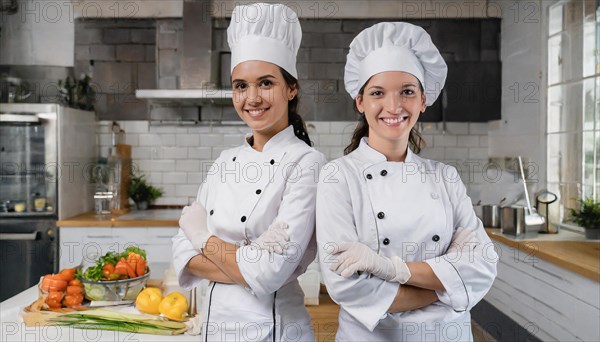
pixel 244 192
pixel 418 210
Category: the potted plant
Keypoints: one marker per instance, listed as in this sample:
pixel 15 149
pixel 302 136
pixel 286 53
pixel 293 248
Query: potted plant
pixel 588 217
pixel 142 193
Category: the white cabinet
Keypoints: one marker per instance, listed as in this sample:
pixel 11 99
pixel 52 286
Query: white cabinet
pixel 86 244
pixel 550 302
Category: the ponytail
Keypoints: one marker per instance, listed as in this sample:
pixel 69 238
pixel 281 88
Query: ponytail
pixel 294 118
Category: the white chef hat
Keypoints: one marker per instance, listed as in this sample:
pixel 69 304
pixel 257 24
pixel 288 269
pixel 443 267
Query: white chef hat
pixel 395 47
pixel 265 32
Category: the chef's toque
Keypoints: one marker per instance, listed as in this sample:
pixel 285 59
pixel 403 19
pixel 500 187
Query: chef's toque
pixel 395 47
pixel 265 32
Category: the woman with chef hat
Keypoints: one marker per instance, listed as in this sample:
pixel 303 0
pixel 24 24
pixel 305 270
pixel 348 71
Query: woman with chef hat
pixel 257 196
pixel 401 249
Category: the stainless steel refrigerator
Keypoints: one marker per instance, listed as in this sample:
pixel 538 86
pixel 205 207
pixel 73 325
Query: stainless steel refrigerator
pixel 47 156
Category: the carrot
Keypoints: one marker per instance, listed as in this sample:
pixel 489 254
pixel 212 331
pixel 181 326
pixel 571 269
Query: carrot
pixel 141 267
pixel 50 283
pixel 132 259
pixel 62 276
pixel 121 267
pixel 130 270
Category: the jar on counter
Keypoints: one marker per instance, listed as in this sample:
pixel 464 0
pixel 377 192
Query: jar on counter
pixel 39 202
pixel 103 201
pixel 20 206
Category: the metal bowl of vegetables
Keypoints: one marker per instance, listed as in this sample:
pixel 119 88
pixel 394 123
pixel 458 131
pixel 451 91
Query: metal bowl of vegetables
pixel 115 290
pixel 116 276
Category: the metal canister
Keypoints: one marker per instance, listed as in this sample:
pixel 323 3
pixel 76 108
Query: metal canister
pixel 513 222
pixel 491 216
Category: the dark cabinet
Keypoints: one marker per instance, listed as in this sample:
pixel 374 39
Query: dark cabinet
pixel 473 87
pixel 472 93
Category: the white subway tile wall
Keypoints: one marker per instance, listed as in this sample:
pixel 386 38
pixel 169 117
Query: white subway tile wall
pixel 176 158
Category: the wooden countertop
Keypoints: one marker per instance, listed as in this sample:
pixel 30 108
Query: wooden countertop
pixel 570 251
pixel 566 249
pixel 146 218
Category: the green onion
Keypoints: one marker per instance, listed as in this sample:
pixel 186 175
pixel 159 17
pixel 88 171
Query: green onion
pixel 110 320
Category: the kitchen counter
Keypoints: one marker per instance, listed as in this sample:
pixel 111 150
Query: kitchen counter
pixel 566 249
pixel 137 218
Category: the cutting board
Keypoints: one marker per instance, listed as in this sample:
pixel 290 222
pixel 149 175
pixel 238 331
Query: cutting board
pixel 124 153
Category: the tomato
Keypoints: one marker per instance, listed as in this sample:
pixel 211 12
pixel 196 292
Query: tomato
pixel 75 282
pixel 74 290
pixel 68 273
pixel 106 274
pixel 54 299
pixel 108 267
pixel 54 304
pixel 73 300
pixel 55 295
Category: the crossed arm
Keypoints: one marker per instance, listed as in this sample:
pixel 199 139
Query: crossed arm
pixel 217 263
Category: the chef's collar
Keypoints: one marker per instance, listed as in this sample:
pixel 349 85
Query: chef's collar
pixel 368 154
pixel 279 141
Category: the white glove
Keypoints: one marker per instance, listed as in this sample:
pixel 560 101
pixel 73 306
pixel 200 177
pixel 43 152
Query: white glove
pixel 193 222
pixel 354 256
pixel 274 238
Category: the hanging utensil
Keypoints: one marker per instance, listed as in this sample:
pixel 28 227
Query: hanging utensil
pixel 532 218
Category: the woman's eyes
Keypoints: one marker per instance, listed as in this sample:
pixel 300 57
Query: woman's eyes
pixel 261 84
pixel 265 83
pixel 240 85
pixel 405 92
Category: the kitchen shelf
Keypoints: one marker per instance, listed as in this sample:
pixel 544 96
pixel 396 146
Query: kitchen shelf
pixel 186 97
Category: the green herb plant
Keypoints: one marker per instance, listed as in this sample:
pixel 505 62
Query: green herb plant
pixel 140 191
pixel 588 214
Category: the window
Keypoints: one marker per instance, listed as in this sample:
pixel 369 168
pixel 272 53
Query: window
pixel 573 121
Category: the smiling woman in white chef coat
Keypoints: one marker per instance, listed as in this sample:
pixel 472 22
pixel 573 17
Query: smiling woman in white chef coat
pixel 258 196
pixel 401 249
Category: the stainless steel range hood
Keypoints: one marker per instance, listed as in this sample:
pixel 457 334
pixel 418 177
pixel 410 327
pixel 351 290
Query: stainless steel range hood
pixel 186 97
pixel 199 73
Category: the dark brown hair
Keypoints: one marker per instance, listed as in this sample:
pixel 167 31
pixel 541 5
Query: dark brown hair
pixel 415 140
pixel 294 118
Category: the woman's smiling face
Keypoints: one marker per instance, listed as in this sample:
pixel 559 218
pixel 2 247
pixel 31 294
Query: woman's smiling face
pixel 261 96
pixel 391 102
